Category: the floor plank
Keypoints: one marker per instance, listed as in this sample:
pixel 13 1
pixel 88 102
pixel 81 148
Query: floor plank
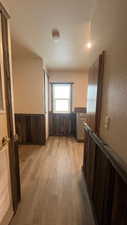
pixel 53 188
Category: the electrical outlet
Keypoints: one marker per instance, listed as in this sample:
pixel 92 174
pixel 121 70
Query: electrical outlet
pixel 107 122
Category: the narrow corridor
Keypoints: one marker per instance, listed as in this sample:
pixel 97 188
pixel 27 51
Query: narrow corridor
pixel 53 188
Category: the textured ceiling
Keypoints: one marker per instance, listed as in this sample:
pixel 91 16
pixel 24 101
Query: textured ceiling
pixel 32 22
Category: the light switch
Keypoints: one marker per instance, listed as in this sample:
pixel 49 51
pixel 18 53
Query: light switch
pixel 107 122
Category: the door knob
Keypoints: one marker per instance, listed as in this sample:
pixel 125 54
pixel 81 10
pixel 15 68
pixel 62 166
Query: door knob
pixel 5 140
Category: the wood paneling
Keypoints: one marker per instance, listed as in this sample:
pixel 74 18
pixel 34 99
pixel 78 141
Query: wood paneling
pixel 119 212
pixel 62 124
pixel 30 128
pixel 80 109
pixel 106 178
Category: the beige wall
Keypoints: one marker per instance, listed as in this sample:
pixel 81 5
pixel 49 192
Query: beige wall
pixel 80 80
pixel 28 85
pixel 109 33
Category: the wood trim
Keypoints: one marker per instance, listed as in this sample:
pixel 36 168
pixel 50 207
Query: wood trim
pixel 71 103
pixel 29 114
pixel 96 74
pixel 61 82
pixel 45 74
pixel 51 85
pixel 4 11
pixel 80 109
pixel 9 107
pixel 8 86
pixel 99 92
pixel 44 93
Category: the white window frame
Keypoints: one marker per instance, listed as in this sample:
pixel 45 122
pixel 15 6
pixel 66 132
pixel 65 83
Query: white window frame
pixel 68 99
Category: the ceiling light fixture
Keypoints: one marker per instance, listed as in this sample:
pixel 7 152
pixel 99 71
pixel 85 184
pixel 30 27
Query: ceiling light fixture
pixel 89 45
pixel 55 35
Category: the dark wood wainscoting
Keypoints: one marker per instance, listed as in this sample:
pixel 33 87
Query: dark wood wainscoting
pixel 62 124
pixel 106 178
pixel 30 128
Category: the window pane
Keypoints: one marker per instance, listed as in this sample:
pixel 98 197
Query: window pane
pixel 62 106
pixel 61 90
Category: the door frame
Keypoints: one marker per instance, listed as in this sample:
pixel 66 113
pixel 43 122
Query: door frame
pixel 99 92
pixel 96 74
pixel 45 111
pixel 13 144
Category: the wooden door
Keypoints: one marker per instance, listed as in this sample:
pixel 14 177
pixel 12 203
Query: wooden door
pixel 94 97
pixel 8 89
pixel 6 203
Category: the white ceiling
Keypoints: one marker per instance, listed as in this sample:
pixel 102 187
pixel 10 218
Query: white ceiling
pixel 33 20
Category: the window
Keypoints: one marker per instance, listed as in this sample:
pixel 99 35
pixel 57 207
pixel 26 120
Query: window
pixel 62 98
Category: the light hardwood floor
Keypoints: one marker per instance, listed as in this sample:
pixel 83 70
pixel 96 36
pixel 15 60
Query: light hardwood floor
pixel 53 188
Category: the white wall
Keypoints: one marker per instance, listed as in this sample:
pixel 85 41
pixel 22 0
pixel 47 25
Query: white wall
pixel 109 33
pixel 80 80
pixel 28 78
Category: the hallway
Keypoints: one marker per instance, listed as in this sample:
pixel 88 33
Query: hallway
pixel 53 189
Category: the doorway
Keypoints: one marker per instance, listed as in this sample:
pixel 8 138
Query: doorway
pixel 61 118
